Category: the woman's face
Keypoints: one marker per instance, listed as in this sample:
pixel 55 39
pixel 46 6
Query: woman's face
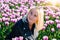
pixel 32 16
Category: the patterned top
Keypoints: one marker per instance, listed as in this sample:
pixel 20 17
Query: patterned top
pixel 21 28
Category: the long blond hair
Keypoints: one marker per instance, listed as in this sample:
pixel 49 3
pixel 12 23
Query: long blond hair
pixel 40 22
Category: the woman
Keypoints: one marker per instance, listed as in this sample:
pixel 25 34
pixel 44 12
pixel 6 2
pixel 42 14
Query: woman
pixel 29 25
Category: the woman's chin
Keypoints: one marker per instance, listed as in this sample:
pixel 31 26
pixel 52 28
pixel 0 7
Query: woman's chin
pixel 30 21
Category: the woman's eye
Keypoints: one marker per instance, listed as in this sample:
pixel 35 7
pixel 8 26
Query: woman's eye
pixel 35 15
pixel 31 13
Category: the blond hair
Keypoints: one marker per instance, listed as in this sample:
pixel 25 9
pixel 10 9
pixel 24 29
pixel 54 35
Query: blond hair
pixel 40 22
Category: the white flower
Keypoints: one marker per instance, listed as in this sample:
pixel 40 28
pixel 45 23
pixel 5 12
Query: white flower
pixel 54 39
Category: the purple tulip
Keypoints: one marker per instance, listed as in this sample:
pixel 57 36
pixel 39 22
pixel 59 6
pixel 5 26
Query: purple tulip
pixel 47 22
pixel 14 20
pixel 19 18
pixel 45 25
pixel 0 19
pixel 12 16
pixel 57 21
pixel 46 14
pixel 22 14
pixel 20 9
pixel 30 2
pixel 7 23
pixel 47 18
pixel 6 1
pixel 57 14
pixel 3 18
pixel 44 28
pixel 7 19
pixel 52 29
pixel 21 38
pixel 54 16
pixel 51 22
pixel 4 15
pixel 45 37
pixel 58 25
pixel 57 17
pixel 9 14
pixel 17 15
pixel 17 38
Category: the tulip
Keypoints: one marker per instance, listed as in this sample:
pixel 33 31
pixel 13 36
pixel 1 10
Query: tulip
pixel 52 29
pixel 4 15
pixel 0 19
pixel 58 25
pixel 45 37
pixel 51 22
pixel 45 25
pixel 7 23
pixel 47 22
pixel 14 20
pixel 21 38
pixel 47 18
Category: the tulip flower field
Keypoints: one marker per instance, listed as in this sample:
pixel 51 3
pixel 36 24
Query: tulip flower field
pixel 12 11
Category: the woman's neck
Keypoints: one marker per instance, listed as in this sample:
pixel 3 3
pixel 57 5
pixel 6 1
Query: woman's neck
pixel 30 26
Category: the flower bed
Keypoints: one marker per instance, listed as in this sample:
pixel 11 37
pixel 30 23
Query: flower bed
pixel 13 10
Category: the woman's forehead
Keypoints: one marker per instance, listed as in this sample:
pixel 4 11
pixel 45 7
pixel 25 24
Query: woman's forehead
pixel 34 11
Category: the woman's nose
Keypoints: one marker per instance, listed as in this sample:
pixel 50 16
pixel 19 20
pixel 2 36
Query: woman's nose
pixel 32 16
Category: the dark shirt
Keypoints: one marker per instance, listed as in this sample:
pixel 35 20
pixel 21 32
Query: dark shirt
pixel 21 28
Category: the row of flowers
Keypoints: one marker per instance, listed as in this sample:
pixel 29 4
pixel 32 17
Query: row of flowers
pixel 51 24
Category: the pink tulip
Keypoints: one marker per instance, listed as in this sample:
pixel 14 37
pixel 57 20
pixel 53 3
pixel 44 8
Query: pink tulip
pixel 54 16
pixel 12 16
pixel 6 1
pixel 47 17
pixel 9 14
pixel 4 15
pixel 58 25
pixel 47 22
pixel 57 21
pixel 22 14
pixel 7 23
pixel 19 18
pixel 44 28
pixel 57 14
pixel 21 38
pixel 17 15
pixel 3 18
pixel 45 37
pixel 45 25
pixel 0 19
pixel 57 17
pixel 13 20
pixel 51 22
pixel 17 38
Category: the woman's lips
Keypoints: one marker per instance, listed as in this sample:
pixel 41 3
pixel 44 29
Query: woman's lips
pixel 30 18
